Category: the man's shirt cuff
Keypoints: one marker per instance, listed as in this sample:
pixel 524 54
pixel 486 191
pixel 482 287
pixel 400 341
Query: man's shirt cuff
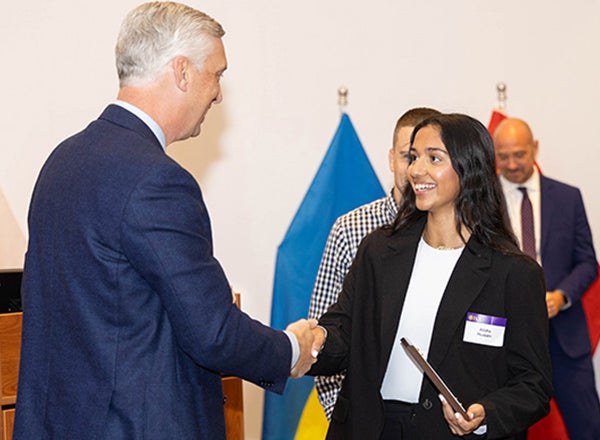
pixel 295 347
pixel 568 302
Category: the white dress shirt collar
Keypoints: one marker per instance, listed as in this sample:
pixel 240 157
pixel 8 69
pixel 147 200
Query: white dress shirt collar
pixel 151 123
pixel 532 184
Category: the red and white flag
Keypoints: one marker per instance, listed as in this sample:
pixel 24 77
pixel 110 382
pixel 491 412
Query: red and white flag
pixel 495 119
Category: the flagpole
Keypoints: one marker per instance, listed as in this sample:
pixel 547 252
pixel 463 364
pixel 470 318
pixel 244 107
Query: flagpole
pixel 501 96
pixel 333 192
pixel 342 98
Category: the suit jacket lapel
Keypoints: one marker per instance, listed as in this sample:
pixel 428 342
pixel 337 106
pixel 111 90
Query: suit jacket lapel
pixel 465 284
pixel 546 208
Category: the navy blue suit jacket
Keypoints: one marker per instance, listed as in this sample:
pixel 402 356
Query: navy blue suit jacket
pixel 568 259
pixel 128 317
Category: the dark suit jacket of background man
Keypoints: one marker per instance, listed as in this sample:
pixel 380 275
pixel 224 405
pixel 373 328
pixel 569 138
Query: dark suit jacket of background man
pixel 128 317
pixel 569 262
pixel 568 259
pixel 483 281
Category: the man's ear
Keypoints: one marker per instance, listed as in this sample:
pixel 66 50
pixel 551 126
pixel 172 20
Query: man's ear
pixel 181 72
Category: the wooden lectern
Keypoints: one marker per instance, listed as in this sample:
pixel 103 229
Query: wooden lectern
pixel 10 351
pixel 234 407
pixel 233 400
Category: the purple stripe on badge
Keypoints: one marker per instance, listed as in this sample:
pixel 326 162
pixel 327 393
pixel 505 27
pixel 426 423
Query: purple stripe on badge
pixel 486 319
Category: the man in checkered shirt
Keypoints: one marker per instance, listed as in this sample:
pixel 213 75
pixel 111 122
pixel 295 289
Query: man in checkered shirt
pixel 348 231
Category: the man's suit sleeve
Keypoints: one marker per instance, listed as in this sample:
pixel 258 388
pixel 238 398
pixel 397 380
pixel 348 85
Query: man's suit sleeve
pixel 166 236
pixel 585 267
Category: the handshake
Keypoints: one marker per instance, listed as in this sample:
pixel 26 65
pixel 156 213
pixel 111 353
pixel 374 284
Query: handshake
pixel 310 339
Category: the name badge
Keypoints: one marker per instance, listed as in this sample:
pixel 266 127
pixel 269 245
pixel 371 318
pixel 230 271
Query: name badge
pixel 484 329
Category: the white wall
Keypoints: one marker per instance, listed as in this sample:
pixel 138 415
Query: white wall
pixel 261 147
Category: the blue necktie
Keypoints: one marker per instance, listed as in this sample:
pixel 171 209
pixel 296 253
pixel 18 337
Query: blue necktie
pixel 527 230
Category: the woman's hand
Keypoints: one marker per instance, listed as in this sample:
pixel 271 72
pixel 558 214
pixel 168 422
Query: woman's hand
pixel 458 425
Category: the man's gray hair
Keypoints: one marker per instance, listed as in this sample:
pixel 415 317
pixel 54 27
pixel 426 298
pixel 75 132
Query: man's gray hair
pixel 155 33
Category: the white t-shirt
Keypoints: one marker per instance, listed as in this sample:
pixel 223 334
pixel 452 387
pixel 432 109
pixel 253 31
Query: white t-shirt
pixel 431 272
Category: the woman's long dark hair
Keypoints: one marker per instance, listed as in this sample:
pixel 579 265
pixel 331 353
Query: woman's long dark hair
pixel 480 203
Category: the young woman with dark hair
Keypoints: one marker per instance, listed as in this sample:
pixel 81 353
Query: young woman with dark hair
pixel 449 277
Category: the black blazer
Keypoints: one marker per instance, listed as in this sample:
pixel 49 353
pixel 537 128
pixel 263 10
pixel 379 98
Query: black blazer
pixel 512 382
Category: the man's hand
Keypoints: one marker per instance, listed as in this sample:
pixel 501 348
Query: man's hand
pixel 458 425
pixel 303 329
pixel 554 302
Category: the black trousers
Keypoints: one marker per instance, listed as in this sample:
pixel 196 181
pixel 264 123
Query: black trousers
pixel 399 421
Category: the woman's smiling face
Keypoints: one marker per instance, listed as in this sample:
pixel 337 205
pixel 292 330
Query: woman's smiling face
pixel 431 175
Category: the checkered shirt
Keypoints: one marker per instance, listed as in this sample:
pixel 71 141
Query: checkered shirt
pixel 342 244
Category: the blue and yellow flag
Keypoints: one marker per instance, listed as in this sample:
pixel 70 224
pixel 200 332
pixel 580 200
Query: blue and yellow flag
pixel 344 181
